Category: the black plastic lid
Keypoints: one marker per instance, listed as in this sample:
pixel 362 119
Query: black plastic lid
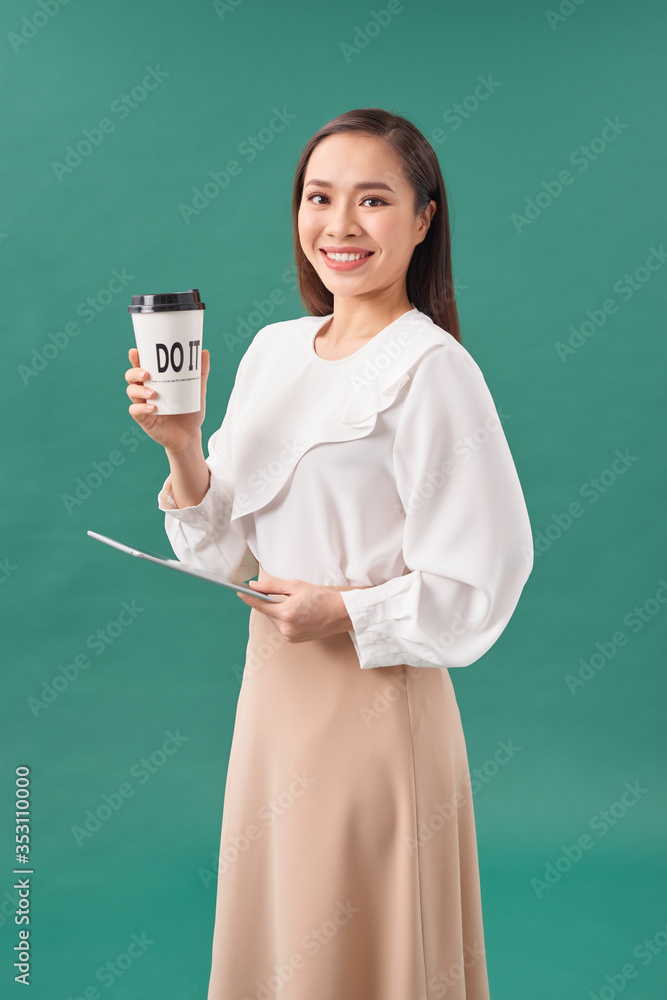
pixel 166 302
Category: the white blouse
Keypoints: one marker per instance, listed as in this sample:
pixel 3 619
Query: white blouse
pixel 387 469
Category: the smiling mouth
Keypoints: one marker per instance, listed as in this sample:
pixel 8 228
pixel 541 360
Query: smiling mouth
pixel 346 263
pixel 344 257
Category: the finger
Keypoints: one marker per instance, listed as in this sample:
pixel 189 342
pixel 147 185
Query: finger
pixel 273 585
pixel 133 355
pixel 136 375
pixel 140 393
pixel 138 410
pixel 274 592
pixel 266 607
pixel 205 369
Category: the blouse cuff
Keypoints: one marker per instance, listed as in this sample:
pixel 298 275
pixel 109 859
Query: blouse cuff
pixel 377 614
pixel 201 535
pixel 214 505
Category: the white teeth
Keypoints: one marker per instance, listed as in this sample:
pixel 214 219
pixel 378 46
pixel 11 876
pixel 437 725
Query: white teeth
pixel 346 256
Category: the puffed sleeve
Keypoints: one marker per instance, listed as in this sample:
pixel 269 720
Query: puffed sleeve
pixel 202 535
pixel 467 541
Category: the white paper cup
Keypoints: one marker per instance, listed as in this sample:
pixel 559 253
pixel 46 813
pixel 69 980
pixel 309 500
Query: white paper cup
pixel 168 328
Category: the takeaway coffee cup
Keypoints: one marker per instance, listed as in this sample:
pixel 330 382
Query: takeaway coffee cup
pixel 168 329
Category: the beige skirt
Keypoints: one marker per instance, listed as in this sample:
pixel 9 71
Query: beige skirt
pixel 348 858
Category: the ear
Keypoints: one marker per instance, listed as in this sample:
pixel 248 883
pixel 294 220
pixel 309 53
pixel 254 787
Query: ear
pixel 425 220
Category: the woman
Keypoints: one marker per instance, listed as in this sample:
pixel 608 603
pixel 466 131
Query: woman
pixel 361 470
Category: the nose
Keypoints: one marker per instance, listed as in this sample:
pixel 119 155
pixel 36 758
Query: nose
pixel 342 221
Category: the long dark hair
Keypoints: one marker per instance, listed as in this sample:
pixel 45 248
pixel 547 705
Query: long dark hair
pixel 429 283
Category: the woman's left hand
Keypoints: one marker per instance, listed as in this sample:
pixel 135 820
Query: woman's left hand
pixel 309 611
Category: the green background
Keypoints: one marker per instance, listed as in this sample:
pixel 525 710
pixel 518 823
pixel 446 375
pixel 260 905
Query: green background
pixel 522 290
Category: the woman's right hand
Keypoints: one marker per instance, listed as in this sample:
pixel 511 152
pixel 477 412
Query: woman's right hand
pixel 174 431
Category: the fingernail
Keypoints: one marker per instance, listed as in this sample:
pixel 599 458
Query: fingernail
pixel 149 406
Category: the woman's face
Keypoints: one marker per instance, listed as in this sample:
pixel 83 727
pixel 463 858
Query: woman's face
pixel 357 199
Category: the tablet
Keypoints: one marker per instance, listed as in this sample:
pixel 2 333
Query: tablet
pixel 203 574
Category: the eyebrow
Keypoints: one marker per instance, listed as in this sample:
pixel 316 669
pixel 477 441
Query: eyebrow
pixel 362 186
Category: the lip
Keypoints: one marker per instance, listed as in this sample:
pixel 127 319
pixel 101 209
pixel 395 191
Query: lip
pixel 345 265
pixel 333 249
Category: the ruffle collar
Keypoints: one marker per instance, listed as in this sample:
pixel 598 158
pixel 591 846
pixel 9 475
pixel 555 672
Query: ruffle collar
pixel 289 399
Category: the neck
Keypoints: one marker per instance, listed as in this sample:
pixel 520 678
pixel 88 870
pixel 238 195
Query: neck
pixel 359 319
